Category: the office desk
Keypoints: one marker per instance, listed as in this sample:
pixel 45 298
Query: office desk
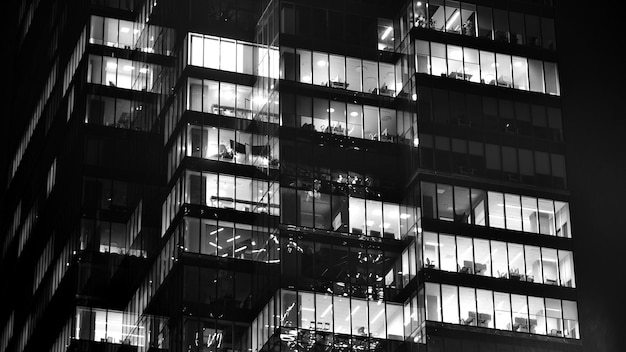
pixel 341 85
pixel 460 75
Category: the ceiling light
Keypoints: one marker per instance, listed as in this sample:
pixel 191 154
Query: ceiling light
pixel 453 18
pixel 128 68
pixel 306 79
pixel 143 70
pixel 321 63
pixel 414 97
pixel 232 239
pixel 216 231
pixel 354 114
pixel 124 29
pixel 330 110
pixel 386 33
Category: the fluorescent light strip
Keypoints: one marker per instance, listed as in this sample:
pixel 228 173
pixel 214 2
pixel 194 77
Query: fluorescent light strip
pixel 216 231
pixel 240 249
pixel 377 316
pixel 353 311
pixel 232 239
pixel 386 33
pixel 215 245
pixel 326 311
pixel 453 18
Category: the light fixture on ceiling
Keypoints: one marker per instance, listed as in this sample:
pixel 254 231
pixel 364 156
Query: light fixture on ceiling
pixel 124 30
pixel 321 63
pixel 453 18
pixel 386 33
pixel 354 114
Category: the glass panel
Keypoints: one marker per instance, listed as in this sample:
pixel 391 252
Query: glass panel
pixel 520 314
pixel 306 74
pixel 562 219
pixel 431 250
pixel 530 215
pixel 484 300
pixel 537 315
pixel 566 269
pixel 377 319
pixel 546 217
pixel 550 270
pixel 445 202
pixel 320 69
pixel 306 311
pixel 570 319
pixel 359 317
pixel 554 322
pixel 438 59
pixel 321 112
pixel 478 206
pixel 429 198
pixel 338 117
pixel 482 263
pixel 388 126
pixel 357 215
pixel 465 255
pixel 391 221
pixel 374 218
pixel 371 122
pixel 455 62
pixel 288 311
pixel 324 312
pixel 513 212
pixel 487 68
pixel 450 304
pixel 342 315
pixel 496 210
pixel 395 330
pixel 422 60
pixel 448 253
pixel 210 100
pixel 472 68
pixel 520 73
pixel 503 67
pixel 502 305
pixel 337 72
pixel 467 299
pixel 433 298
pixel 461 204
pixel 354 69
pixel 211 53
pixel 552 79
pixel 534 270
pixel 228 55
pixel 516 262
pixel 370 76
pixel 437 19
pixel 386 80
pixel 485 27
pixel 355 121
pixel 499 259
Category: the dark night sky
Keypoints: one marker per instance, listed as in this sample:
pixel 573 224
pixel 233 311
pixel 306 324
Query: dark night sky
pixel 593 77
pixel 595 130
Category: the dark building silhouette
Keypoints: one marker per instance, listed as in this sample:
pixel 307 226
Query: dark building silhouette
pixel 250 175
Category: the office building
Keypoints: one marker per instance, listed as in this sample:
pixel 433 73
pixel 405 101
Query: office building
pixel 204 175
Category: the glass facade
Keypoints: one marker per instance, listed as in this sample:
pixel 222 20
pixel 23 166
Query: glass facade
pixel 283 176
